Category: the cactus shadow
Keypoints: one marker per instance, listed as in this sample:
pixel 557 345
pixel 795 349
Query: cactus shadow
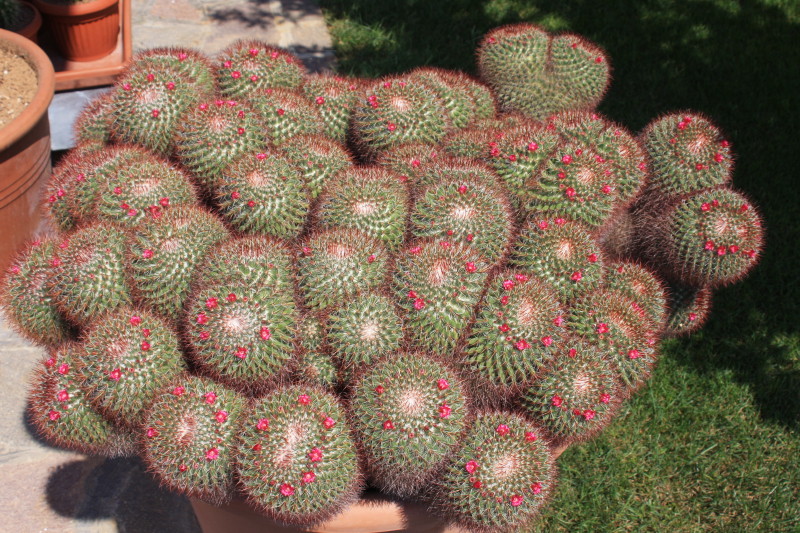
pixel 118 489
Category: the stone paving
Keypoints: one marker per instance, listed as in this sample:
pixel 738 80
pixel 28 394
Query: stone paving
pixel 44 489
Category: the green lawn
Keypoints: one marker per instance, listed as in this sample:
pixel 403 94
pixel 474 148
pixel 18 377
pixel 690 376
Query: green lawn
pixel 713 442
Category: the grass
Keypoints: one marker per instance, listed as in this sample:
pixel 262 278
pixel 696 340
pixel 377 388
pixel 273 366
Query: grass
pixel 713 442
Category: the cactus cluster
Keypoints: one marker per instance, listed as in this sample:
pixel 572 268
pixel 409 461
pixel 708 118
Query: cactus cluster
pixel 293 284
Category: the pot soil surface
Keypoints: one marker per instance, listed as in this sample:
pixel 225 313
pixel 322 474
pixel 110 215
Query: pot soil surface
pixel 17 85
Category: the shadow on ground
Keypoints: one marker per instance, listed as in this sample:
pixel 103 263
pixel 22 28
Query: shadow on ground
pixel 735 62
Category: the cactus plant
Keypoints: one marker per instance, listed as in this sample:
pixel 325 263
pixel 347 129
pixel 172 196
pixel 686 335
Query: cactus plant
pixel 409 160
pixel 409 413
pixel 248 66
pixel 256 260
pixel 286 113
pixel 318 159
pixel 689 308
pixel 642 286
pixel 92 129
pixel 296 460
pixel 334 97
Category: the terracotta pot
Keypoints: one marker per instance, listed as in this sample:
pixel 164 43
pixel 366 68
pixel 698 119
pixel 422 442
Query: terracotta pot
pixel 84 31
pixel 31 29
pixel 24 153
pixel 373 513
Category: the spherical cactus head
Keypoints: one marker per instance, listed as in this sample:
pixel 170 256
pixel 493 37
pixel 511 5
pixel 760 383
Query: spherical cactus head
pixel 687 152
pixel 643 287
pixel 367 198
pixel 336 264
pixel 127 356
pixel 191 65
pixel 262 193
pixel 518 328
pixel 398 110
pixel 89 275
pixel 713 238
pixel 297 462
pixel 467 205
pixel 149 103
pixel 316 368
pixel 538 74
pixel 92 129
pixel 437 284
pixel 409 414
pixel 334 97
pixel 621 328
pixel 576 395
pixel 242 336
pixel 135 185
pixel 250 261
pixel 561 253
pixel 318 159
pixel 689 309
pixel 623 155
pixel 25 299
pixel 286 113
pixel 215 132
pixel 62 414
pixel 500 478
pixel 409 161
pixel 189 437
pixel 451 88
pixel 362 331
pixel 164 253
pixel 248 66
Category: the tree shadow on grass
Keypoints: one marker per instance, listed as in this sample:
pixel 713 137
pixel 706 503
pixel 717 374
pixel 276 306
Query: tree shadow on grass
pixel 733 61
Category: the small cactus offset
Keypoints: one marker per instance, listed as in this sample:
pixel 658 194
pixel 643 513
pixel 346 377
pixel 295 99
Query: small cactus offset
pixel 409 414
pixel 297 462
pixel 284 286
pixel 190 437
pixel 500 477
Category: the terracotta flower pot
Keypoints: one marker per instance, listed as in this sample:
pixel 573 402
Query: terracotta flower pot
pixel 24 153
pixel 83 31
pixel 32 22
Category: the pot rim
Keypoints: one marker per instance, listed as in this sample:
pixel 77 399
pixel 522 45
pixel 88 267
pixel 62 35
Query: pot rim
pixel 73 10
pixel 46 78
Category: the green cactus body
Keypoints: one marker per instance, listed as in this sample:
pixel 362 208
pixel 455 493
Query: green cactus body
pixel 191 65
pixel 128 355
pixel 315 366
pixel 713 238
pixel 613 144
pixel 92 129
pixel 318 159
pixel 364 330
pixel 61 412
pixel 189 437
pixel 263 194
pixel 214 133
pixel 410 161
pixel 243 337
pixel 481 95
pixel 297 462
pixel 474 141
pixel 466 206
pixel 561 253
pixel 136 185
pixel 286 114
pixel 409 414
pixel 640 285
pixel 500 478
pixel 397 111
pixel 451 89
pixel 148 105
pixel 517 330
pixel 578 184
pixel 615 323
pixel 689 309
pixel 537 74
pixel 251 261
pixel 249 66
pixel 576 395
pixel 165 252
pixel 369 199
pixel 25 298
pixel 89 273
pixel 336 264
pixel 334 97
pixel 437 285
pixel 688 153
